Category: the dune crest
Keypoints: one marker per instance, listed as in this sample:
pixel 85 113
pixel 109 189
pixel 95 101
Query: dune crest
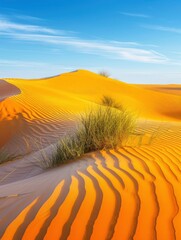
pixel 7 90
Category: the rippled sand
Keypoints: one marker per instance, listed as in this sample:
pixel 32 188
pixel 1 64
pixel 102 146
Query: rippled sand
pixel 131 193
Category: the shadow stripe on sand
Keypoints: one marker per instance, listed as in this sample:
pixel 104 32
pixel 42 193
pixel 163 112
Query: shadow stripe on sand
pixel 137 198
pixel 14 211
pixel 152 184
pixel 32 213
pixel 170 188
pixel 117 207
pixel 55 208
pixel 77 204
pixel 96 207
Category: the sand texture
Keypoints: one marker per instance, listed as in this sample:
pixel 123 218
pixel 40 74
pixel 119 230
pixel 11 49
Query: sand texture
pixel 130 193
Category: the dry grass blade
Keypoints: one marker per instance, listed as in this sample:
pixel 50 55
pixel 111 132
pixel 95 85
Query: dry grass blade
pixel 5 157
pixel 104 74
pixel 68 148
pixel 110 102
pixel 104 127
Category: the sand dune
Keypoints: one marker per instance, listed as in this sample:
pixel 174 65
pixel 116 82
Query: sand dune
pixel 131 193
pixel 7 90
pixel 46 105
pixel 170 88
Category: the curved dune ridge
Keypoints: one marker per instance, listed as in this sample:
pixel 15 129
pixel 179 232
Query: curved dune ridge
pixel 131 193
pixel 7 90
pixel 77 88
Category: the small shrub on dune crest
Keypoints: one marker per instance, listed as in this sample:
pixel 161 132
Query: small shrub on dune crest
pixel 104 127
pixel 104 74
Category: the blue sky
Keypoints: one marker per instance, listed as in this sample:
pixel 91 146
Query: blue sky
pixel 135 41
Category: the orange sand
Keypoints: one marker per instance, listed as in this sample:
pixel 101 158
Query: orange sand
pixel 132 193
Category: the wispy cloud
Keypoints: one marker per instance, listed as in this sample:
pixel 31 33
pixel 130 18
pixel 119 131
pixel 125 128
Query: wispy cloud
pixel 163 28
pixel 133 44
pixel 8 26
pixel 16 63
pixel 33 64
pixel 29 69
pixel 113 49
pixel 27 17
pixel 138 15
pixel 94 47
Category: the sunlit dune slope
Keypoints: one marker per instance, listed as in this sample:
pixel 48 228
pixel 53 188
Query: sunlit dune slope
pixel 130 193
pixel 42 106
pixel 76 88
pixel 169 88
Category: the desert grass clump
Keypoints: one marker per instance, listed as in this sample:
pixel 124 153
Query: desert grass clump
pixel 68 148
pixel 110 102
pixel 5 157
pixel 104 74
pixel 104 127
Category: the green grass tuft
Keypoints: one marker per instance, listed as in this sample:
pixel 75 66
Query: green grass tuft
pixel 110 102
pixel 5 157
pixel 68 148
pixel 105 127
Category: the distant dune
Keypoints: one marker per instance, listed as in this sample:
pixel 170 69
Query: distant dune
pixel 131 193
pixel 169 88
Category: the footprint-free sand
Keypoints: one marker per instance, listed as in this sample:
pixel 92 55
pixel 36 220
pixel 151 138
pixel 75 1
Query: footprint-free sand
pixel 130 193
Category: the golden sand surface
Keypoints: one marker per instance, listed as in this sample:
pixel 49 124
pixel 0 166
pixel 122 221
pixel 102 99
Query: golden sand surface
pixel 169 88
pixel 130 193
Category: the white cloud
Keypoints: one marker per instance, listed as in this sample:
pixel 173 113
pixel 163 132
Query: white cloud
pixel 133 44
pixel 95 47
pixel 113 49
pixel 163 28
pixel 33 64
pixel 8 26
pixel 27 17
pixel 16 63
pixel 31 69
pixel 139 15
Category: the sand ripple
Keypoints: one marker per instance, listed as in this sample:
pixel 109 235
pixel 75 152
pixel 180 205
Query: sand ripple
pixel 132 193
